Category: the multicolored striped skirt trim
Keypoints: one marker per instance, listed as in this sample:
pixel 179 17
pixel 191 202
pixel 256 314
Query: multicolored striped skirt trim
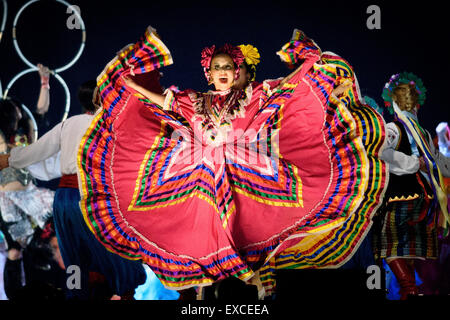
pixel 338 140
pixel 104 218
pixel 334 248
pixel 146 55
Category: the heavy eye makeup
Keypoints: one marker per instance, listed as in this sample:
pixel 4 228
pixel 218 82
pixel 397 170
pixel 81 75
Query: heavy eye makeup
pixel 225 67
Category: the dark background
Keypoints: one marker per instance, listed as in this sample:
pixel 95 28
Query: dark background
pixel 413 37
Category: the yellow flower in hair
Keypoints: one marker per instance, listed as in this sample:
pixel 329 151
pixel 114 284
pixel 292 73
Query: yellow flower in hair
pixel 250 53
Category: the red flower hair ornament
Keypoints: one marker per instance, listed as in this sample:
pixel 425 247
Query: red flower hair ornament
pixel 209 52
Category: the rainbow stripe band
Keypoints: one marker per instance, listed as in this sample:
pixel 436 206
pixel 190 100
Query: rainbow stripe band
pixel 332 249
pixel 434 174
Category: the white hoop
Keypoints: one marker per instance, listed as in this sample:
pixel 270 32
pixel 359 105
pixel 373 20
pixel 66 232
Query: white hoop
pixel 57 76
pixel 5 12
pixel 67 92
pixel 25 60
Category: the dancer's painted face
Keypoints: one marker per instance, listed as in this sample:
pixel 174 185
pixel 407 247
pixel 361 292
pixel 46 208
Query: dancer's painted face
pixel 406 97
pixel 222 72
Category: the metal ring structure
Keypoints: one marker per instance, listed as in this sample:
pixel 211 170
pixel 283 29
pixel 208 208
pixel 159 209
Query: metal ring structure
pixel 33 67
pixel 2 28
pixel 57 76
pixel 5 13
pixel 67 92
pixel 25 60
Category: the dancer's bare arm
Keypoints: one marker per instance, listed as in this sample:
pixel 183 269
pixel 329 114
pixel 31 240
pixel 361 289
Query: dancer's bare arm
pixel 155 97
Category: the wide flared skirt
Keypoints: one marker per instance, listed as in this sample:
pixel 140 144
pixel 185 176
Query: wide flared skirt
pixel 149 194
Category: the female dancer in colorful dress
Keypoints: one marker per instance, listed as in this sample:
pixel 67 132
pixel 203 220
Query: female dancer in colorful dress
pixel 232 287
pixel 204 186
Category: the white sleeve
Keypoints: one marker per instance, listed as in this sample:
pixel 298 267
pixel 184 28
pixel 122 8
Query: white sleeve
pixel 442 131
pixel 442 161
pixel 399 162
pixel 47 169
pixel 45 147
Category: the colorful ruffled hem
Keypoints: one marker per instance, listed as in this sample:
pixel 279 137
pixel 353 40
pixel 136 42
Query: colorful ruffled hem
pixel 350 176
pixel 334 248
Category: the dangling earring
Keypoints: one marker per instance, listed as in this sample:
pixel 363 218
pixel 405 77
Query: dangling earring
pixel 210 82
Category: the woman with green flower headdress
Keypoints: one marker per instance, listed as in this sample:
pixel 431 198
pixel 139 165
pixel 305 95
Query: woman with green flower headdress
pixel 415 205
